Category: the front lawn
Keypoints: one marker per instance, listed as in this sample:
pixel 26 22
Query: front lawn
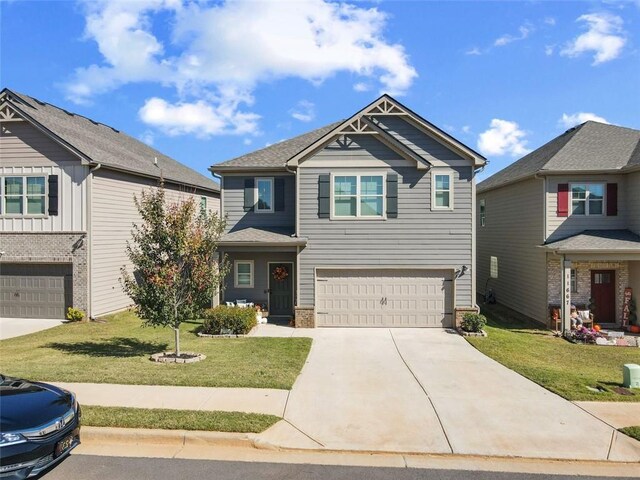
pixel 118 350
pixel 176 419
pixel 558 365
pixel 633 432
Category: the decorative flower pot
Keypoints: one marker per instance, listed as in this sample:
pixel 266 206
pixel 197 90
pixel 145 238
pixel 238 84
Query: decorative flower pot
pixel 634 328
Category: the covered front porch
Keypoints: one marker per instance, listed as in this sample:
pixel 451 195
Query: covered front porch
pixel 263 270
pixel 595 271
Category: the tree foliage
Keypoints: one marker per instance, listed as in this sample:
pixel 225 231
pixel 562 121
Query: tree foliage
pixel 176 271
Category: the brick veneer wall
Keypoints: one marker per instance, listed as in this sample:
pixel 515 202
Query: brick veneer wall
pixel 305 317
pixel 460 311
pixel 583 270
pixel 48 247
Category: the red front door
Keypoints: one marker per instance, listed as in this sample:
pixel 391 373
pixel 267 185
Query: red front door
pixel 603 292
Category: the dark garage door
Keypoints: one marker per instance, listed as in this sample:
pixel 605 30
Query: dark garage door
pixel 34 290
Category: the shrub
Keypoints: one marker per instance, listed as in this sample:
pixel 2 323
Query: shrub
pixel 228 320
pixel 473 322
pixel 75 314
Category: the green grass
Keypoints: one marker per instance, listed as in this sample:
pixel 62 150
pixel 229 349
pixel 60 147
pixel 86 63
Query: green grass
pixel 176 419
pixel 633 432
pixel 558 365
pixel 118 350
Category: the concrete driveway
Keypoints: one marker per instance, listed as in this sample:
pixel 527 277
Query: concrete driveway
pixel 15 327
pixel 429 391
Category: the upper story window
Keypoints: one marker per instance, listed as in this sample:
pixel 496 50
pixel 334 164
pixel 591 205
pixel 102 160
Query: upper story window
pixel 264 194
pixel 358 196
pixel 587 199
pixel 203 205
pixel 442 191
pixel 482 212
pixel 23 196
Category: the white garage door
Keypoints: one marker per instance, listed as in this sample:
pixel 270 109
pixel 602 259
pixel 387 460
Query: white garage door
pixel 384 298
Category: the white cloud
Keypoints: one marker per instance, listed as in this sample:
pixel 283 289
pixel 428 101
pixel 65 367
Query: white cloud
pixel 303 111
pixel 146 137
pixel 199 118
pixel 466 129
pixel 604 37
pixel 361 87
pixel 550 21
pixel 573 119
pixel 549 49
pixel 473 51
pixel 503 138
pixel 247 141
pixel 219 52
pixel 524 32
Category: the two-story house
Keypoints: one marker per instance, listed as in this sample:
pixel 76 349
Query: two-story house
pixel 366 222
pixel 568 214
pixel 66 207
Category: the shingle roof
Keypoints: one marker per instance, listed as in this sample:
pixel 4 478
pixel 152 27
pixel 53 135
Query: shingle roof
pixel 276 155
pixel 261 236
pixel 106 145
pixel 591 146
pixel 598 240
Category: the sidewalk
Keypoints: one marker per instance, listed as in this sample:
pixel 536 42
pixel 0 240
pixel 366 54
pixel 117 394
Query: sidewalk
pixel 249 400
pixel 616 414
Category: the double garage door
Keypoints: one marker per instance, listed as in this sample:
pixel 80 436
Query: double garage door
pixel 34 290
pixel 384 298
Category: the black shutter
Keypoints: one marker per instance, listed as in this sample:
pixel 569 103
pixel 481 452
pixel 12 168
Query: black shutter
pixel 324 196
pixel 392 195
pixel 249 194
pixel 53 194
pixel 278 194
pixel 612 199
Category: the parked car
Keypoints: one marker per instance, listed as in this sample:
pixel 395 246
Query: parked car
pixel 39 426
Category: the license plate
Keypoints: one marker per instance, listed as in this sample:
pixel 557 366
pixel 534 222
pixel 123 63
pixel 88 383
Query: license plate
pixel 63 445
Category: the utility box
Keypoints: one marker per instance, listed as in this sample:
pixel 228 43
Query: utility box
pixel 631 375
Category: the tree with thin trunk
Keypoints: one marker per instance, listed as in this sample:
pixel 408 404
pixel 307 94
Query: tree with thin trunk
pixel 175 266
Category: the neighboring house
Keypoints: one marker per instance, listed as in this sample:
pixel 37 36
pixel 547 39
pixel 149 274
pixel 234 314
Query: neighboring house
pixel 365 222
pixel 66 207
pixel 577 198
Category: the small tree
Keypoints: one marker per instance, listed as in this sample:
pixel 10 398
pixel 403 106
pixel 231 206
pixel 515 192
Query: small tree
pixel 176 271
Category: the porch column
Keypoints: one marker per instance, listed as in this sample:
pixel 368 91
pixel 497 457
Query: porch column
pixel 565 266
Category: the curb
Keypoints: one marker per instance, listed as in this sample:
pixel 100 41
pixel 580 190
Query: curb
pixel 137 436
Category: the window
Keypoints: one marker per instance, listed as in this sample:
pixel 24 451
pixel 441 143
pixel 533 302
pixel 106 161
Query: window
pixel 358 196
pixel 264 187
pixel 23 195
pixel 203 205
pixel 574 281
pixel 482 212
pixel 494 267
pixel 587 199
pixel 243 273
pixel 441 198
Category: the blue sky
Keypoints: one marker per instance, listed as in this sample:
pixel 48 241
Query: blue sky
pixel 207 81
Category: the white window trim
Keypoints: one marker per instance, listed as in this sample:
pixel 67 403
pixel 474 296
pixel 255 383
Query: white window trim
pixel 24 177
pixel 235 273
pixel 271 205
pixel 586 201
pixel 358 217
pixel 482 211
pixel 449 173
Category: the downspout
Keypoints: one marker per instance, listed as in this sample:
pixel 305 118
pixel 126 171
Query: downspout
pixel 297 234
pixel 93 169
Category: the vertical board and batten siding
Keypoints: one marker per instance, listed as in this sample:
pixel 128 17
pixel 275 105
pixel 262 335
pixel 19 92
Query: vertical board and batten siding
pixel 417 238
pixel 513 232
pixel 562 227
pixel 24 150
pixel 632 202
pixel 238 219
pixel 113 214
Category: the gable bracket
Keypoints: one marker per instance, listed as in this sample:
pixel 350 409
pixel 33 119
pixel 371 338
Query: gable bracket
pixel 8 114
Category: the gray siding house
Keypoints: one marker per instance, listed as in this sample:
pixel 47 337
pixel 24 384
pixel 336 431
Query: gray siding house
pixel 570 209
pixel 366 222
pixel 66 207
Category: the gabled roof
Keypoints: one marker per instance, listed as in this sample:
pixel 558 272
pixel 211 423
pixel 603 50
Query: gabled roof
pixel 98 143
pixel 589 147
pixel 598 241
pixel 291 152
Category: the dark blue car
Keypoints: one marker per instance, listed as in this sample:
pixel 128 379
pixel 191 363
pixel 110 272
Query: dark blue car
pixel 39 426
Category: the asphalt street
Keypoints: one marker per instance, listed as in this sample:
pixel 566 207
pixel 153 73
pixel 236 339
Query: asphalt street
pixel 89 467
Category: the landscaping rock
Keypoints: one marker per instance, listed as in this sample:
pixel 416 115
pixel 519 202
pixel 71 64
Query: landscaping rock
pixel 170 357
pixel 464 333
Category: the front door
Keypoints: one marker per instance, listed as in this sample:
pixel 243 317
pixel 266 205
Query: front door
pixel 281 289
pixel 603 293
